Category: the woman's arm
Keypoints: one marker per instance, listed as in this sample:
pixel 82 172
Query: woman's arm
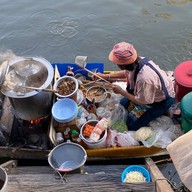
pixel 119 90
pixel 113 76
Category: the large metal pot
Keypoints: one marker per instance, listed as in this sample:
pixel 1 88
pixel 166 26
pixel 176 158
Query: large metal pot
pixel 37 72
pixel 4 179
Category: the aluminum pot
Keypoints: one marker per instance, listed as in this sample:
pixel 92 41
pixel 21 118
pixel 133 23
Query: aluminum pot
pixel 67 157
pixel 98 93
pixel 4 179
pixel 35 72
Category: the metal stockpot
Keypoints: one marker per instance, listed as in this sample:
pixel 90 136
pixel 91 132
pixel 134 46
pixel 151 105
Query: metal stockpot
pixel 35 72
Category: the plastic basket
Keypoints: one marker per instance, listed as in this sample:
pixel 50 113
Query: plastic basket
pixel 138 168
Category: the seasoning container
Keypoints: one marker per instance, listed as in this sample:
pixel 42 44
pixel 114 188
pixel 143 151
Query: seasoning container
pixel 107 115
pixel 68 129
pixel 100 112
pixel 92 116
pixel 59 138
pixel 70 71
pixel 74 135
pixel 66 135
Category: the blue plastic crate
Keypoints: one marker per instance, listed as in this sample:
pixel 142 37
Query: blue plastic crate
pixel 138 168
pixel 63 67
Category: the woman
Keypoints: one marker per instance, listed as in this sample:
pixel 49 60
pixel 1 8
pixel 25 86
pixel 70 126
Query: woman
pixel 148 86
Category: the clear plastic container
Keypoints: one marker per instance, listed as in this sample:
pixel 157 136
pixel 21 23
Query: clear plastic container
pixel 100 112
pixel 59 138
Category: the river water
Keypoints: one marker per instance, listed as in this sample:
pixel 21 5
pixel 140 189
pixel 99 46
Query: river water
pixel 61 30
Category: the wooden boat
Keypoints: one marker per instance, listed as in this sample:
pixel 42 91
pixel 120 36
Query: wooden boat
pixel 21 152
pixel 88 178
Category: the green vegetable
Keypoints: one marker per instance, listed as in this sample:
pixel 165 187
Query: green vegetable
pixel 119 126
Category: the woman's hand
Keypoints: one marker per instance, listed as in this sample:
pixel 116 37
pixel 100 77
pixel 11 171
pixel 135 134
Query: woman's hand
pixel 102 75
pixel 117 89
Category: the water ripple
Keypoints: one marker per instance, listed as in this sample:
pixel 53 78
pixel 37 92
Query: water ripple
pixel 21 41
pixel 67 27
pixel 40 19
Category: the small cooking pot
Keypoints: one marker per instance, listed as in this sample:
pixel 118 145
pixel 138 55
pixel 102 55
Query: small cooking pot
pixel 66 87
pixel 96 93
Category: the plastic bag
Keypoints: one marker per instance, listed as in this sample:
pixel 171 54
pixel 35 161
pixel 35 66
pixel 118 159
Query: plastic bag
pixel 118 119
pixel 159 138
pixel 143 133
pixel 175 131
pixel 163 122
pixel 82 112
pixel 125 139
pixel 110 141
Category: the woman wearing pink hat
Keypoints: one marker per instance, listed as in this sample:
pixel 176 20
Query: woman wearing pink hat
pixel 148 86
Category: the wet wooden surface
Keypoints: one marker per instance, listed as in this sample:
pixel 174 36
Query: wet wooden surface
pixel 93 178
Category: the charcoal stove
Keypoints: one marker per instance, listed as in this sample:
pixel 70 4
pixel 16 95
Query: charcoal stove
pixel 30 133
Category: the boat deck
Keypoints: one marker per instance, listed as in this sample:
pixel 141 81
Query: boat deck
pixel 90 178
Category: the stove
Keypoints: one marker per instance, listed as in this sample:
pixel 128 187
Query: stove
pixel 30 134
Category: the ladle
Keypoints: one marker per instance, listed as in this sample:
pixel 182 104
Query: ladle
pixel 81 61
pixel 38 89
pixel 4 69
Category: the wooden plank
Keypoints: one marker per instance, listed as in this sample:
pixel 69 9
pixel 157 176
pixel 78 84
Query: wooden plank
pixel 94 178
pixel 101 155
pixel 156 176
pixel 23 153
pixel 132 151
pixel 9 165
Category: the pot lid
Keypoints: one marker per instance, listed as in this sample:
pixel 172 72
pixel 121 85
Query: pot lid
pixel 183 73
pixel 32 72
pixel 186 105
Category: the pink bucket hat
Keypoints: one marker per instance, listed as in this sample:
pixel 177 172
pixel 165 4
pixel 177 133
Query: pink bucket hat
pixel 123 53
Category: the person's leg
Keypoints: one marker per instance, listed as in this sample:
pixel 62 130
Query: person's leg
pixel 125 102
pixel 157 110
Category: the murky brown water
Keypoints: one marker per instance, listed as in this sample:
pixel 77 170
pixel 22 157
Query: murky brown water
pixel 61 30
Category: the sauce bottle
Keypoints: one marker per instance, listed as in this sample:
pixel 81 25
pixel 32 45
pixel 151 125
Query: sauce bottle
pixel 74 135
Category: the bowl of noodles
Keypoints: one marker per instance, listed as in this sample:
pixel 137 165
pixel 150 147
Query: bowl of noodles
pixel 135 174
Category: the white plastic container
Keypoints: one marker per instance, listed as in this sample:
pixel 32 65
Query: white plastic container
pixel 101 143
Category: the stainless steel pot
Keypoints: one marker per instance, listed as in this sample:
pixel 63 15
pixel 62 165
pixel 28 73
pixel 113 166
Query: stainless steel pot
pixel 4 178
pixel 35 72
